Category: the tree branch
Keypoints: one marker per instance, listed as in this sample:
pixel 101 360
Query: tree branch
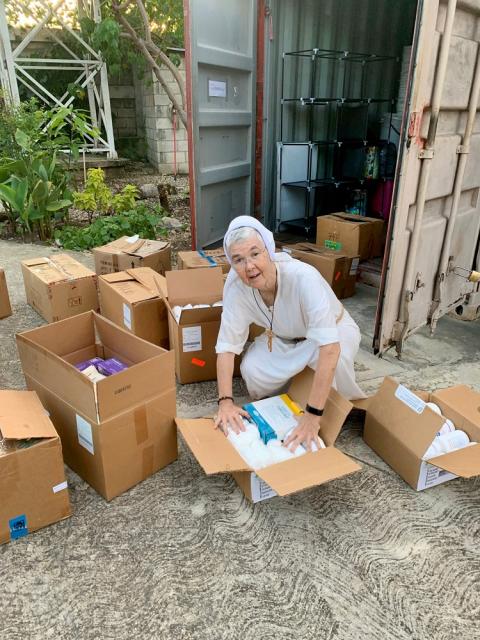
pixel 145 48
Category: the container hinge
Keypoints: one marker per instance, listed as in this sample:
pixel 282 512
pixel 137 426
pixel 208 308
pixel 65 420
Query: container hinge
pixel 426 154
pixel 463 149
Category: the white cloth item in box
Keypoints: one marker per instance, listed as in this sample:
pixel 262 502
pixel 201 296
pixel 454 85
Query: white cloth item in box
pixel 92 373
pixel 446 427
pixel 446 443
pixel 434 407
pixel 259 455
pixel 177 309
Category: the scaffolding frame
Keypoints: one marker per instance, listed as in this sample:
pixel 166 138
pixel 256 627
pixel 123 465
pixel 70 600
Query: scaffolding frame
pixel 16 68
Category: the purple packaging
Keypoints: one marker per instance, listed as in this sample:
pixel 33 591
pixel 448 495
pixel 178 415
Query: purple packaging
pixel 110 366
pixel 81 366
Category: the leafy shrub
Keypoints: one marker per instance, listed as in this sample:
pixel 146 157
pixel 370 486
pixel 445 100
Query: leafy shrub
pixel 142 220
pixel 98 198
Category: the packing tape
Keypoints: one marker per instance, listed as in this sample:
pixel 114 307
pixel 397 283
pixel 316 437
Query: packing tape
pixel 141 425
pixel 198 363
pixel 147 461
pixel 59 267
pixel 202 253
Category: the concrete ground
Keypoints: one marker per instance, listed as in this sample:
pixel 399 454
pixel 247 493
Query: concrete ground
pixel 185 556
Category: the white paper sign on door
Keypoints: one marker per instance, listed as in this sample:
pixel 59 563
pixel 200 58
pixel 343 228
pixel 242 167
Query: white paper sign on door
pixel 217 89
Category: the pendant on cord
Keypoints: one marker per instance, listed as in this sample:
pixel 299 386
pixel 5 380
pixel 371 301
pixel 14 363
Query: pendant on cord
pixel 269 333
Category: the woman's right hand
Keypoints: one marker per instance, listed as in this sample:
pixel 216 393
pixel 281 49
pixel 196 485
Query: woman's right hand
pixel 229 415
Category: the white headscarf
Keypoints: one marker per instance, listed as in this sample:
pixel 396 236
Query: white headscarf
pixel 267 237
pixel 252 223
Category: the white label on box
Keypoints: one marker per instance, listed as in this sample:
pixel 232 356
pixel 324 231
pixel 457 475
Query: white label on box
pixel 354 267
pixel 260 489
pixel 192 339
pixel 60 487
pixel 410 399
pixel 217 89
pixel 84 431
pixel 430 476
pixel 127 316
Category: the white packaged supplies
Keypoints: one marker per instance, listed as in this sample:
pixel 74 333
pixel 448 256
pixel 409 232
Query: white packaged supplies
pixel 177 309
pixel 92 373
pixel 434 407
pixel 446 443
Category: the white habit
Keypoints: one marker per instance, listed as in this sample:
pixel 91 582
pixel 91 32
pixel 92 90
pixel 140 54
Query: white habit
pixel 305 307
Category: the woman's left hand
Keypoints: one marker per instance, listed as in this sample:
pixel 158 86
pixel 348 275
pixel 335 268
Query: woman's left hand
pixel 305 433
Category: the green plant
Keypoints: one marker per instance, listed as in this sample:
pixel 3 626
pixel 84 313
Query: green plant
pixel 32 197
pixel 142 221
pixel 97 196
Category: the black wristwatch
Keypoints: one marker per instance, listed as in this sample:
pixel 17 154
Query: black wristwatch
pixel 313 410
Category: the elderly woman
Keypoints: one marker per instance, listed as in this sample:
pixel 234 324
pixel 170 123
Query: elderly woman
pixel 305 325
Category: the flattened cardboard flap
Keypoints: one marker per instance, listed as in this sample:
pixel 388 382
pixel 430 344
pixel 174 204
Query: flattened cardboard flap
pixel 336 408
pixel 210 447
pixel 194 286
pixel 150 279
pixel 463 462
pixel 22 416
pixel 309 470
pixel 462 405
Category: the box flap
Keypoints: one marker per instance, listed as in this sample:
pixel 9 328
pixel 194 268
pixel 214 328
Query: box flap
pixel 195 286
pixel 150 279
pixel 307 471
pixel 210 447
pixel 22 416
pixel 58 268
pixel 137 285
pixel 125 244
pixel 146 248
pixel 309 247
pixel 463 462
pixel 352 217
pixel 403 414
pixel 461 401
pixel 197 316
pixel 336 408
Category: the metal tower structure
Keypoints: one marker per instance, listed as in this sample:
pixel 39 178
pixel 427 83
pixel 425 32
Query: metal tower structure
pixel 17 67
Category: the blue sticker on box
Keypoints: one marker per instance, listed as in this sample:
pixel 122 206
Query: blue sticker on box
pixel 18 527
pixel 202 253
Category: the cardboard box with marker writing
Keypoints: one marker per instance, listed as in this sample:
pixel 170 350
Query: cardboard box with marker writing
pixel 193 333
pixel 59 287
pixel 352 234
pixel 400 427
pixel 5 308
pixel 216 454
pixel 33 487
pixel 338 268
pixel 115 432
pixel 131 252
pixel 135 299
pixel 203 258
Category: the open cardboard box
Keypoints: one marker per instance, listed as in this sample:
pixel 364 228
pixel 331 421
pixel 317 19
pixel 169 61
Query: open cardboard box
pixel 217 455
pixel 59 287
pixel 337 267
pixel 115 432
pixel 33 488
pixel 130 253
pixel 399 427
pixel 195 336
pixel 135 299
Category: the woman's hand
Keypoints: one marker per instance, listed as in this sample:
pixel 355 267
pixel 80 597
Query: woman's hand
pixel 229 415
pixel 305 433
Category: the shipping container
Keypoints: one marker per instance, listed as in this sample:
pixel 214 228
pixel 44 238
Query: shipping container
pixel 288 98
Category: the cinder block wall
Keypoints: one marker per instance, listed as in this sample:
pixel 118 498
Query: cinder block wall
pixel 157 113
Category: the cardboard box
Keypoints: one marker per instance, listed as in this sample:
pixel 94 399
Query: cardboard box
pixel 400 428
pixel 195 336
pixel 134 299
pixel 33 488
pixel 216 455
pixel 5 308
pixel 59 287
pixel 338 268
pixel 119 431
pixel 203 258
pixel 352 234
pixel 130 253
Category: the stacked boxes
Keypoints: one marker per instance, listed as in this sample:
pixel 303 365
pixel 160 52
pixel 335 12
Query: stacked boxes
pixel 135 299
pixel 59 287
pixel 32 477
pixel 115 432
pixel 130 253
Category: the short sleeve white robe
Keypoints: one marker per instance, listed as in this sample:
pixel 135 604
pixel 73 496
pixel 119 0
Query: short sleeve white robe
pixel 304 318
